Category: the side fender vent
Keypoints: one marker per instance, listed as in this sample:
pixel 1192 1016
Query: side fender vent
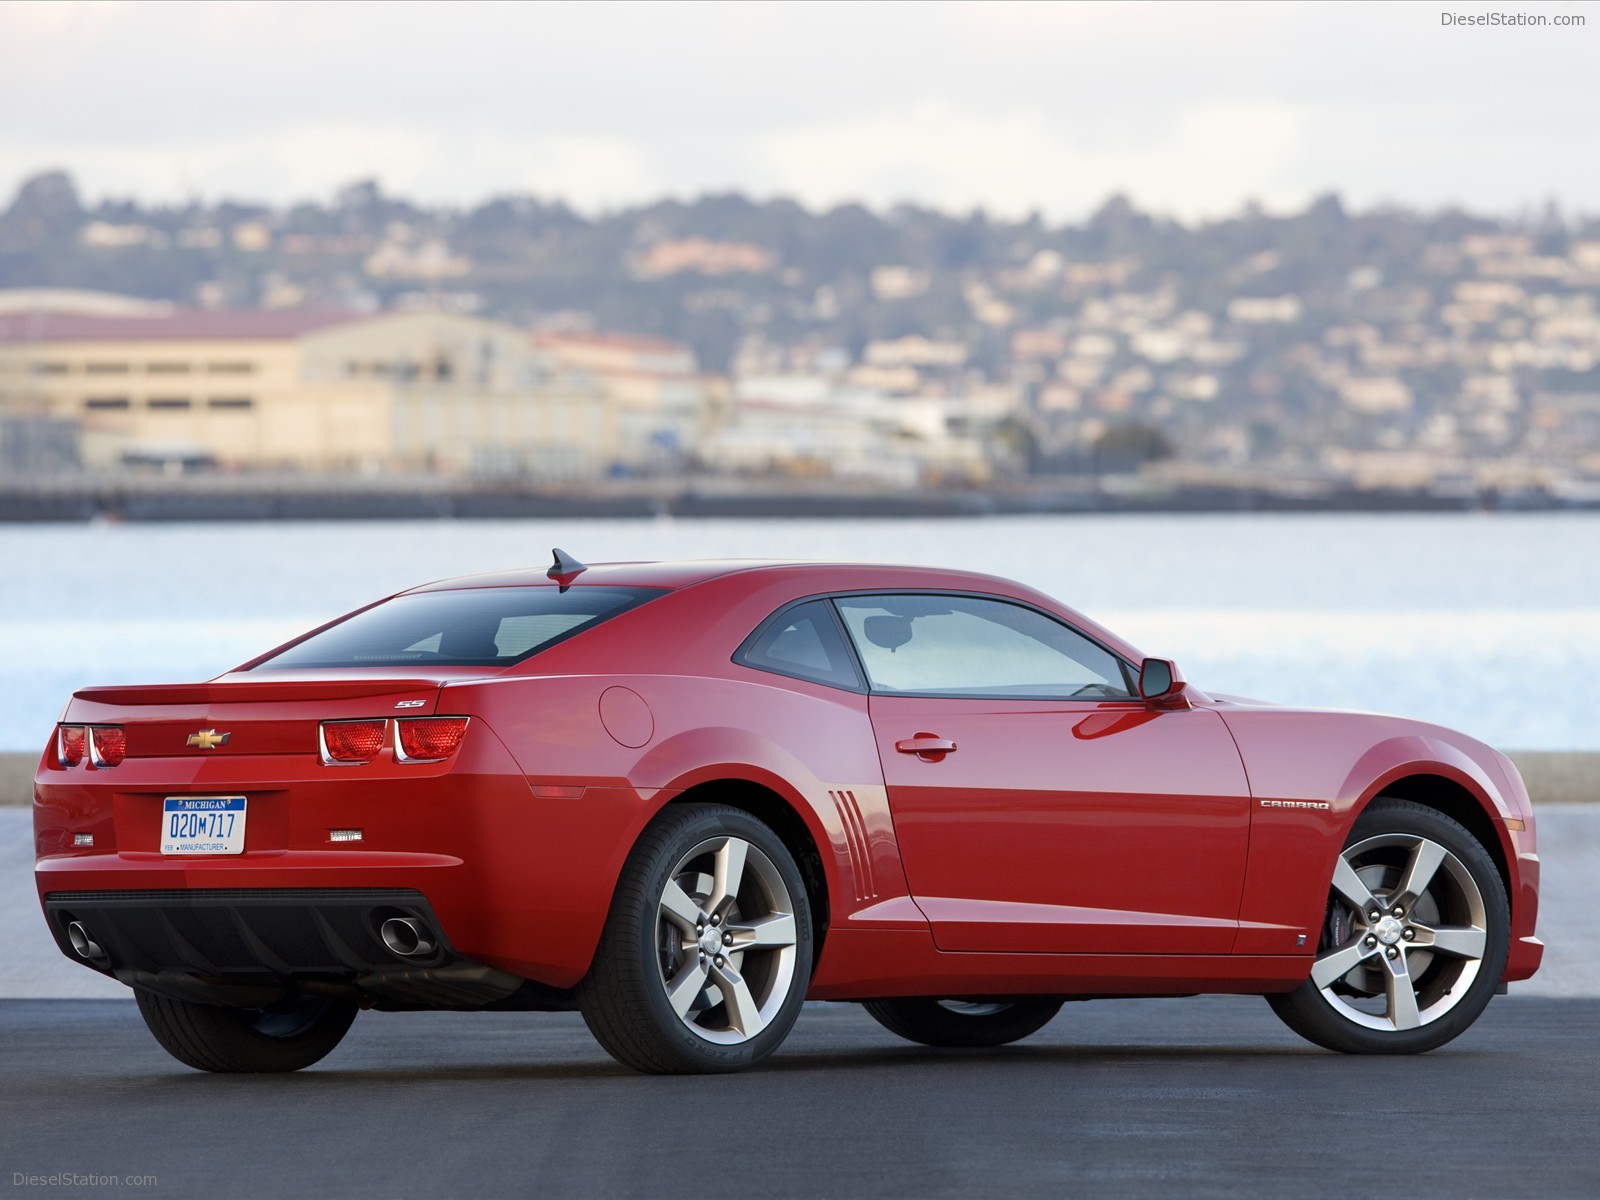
pixel 860 849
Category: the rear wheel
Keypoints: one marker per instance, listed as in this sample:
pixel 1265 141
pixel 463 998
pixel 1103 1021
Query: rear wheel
pixel 1414 939
pixel 286 1036
pixel 706 954
pixel 962 1022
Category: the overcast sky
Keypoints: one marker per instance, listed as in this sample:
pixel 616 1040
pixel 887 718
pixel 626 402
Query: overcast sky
pixel 1192 109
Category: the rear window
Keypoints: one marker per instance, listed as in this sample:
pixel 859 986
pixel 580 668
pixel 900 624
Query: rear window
pixel 470 627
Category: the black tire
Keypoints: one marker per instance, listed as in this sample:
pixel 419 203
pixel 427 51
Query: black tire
pixel 643 952
pixel 1449 991
pixel 962 1023
pixel 280 1037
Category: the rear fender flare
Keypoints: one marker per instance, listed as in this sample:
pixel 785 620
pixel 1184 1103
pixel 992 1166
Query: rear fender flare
pixel 724 754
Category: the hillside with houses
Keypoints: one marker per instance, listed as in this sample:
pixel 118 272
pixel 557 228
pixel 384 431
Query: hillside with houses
pixel 906 348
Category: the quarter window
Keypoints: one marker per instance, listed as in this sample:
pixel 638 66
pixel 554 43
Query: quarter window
pixel 967 646
pixel 803 642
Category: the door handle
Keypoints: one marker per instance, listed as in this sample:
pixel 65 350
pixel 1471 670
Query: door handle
pixel 925 744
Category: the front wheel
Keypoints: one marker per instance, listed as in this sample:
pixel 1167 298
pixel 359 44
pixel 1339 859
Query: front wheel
pixel 1414 939
pixel 285 1036
pixel 962 1022
pixel 706 954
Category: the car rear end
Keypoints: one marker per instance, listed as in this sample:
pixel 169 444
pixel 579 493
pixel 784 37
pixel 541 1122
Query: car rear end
pixel 330 818
pixel 213 841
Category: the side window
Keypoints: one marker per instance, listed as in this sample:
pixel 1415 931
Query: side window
pixel 965 646
pixel 804 642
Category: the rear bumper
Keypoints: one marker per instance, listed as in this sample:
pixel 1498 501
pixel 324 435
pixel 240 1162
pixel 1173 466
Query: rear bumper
pixel 250 945
pixel 518 881
pixel 1526 955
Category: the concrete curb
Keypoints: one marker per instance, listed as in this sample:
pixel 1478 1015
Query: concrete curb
pixel 1559 777
pixel 16 777
pixel 1553 777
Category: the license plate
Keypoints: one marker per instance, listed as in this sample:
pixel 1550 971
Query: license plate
pixel 202 825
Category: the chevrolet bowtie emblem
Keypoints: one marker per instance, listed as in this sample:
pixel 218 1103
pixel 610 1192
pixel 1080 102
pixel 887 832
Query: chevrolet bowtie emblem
pixel 209 739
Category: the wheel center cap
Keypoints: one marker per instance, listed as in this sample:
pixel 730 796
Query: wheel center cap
pixel 1388 930
pixel 711 940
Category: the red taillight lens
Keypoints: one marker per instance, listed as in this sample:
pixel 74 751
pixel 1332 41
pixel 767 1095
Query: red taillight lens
pixel 352 741
pixel 431 737
pixel 108 745
pixel 69 744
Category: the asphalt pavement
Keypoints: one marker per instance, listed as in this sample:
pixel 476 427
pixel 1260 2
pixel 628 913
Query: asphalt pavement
pixel 1208 1097
pixel 1182 1098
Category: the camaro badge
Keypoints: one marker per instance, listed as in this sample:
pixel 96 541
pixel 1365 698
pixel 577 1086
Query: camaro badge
pixel 209 739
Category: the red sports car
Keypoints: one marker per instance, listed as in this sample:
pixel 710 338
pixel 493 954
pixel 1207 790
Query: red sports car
pixel 684 797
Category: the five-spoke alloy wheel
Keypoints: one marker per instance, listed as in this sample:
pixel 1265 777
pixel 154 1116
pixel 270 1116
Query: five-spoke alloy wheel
pixel 706 955
pixel 1414 939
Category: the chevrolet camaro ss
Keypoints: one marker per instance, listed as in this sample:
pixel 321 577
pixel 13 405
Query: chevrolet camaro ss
pixel 682 798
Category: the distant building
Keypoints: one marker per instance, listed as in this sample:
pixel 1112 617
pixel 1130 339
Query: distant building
pixel 305 390
pixel 653 387
pixel 804 426
pixel 1380 394
pixel 428 259
pixel 898 283
pixel 916 352
pixel 1264 310
pixel 701 257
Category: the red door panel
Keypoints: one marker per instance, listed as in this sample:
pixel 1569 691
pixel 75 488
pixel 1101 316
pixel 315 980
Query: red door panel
pixel 1067 827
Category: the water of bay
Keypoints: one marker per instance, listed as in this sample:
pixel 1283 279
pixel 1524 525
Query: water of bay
pixel 1488 623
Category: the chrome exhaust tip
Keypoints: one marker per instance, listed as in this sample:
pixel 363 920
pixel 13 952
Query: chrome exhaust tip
pixel 83 945
pixel 407 937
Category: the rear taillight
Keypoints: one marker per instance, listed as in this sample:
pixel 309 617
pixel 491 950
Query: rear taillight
pixel 69 744
pixel 108 745
pixel 352 741
pixel 103 745
pixel 429 737
pixel 417 739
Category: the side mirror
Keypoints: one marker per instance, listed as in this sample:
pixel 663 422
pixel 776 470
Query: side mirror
pixel 1155 678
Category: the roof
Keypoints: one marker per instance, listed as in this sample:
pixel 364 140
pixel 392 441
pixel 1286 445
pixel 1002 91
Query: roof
pixel 618 341
pixel 829 576
pixel 670 575
pixel 76 300
pixel 183 325
pixel 778 580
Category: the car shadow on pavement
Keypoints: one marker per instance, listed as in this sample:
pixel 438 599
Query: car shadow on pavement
pixel 333 1073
